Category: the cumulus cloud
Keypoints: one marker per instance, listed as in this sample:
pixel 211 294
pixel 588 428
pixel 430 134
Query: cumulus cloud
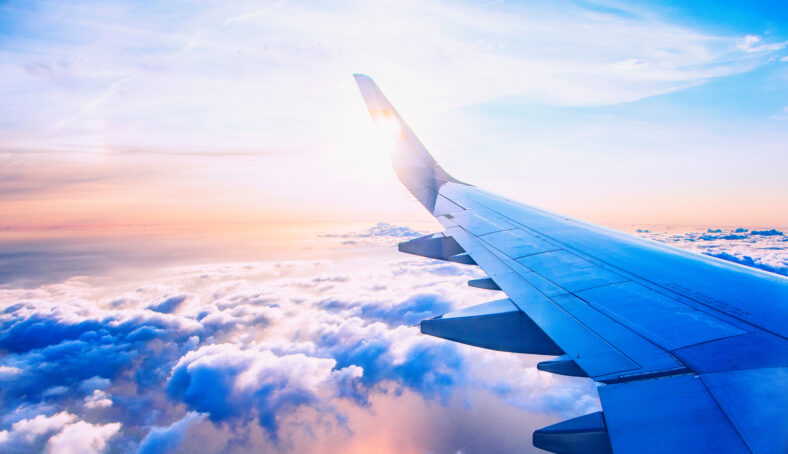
pixel 30 429
pixel 59 433
pixel 82 438
pixel 410 311
pixel 99 399
pixel 162 440
pixel 227 382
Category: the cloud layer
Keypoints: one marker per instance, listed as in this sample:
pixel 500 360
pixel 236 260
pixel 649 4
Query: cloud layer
pixel 766 249
pixel 283 356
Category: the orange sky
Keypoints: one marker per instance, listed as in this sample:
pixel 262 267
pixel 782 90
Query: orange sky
pixel 117 191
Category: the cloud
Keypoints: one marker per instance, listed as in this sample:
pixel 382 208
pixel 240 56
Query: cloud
pixel 770 232
pixel 120 58
pixel 61 432
pixel 82 438
pixel 382 231
pixel 632 63
pixel 410 311
pixel 267 354
pixel 94 383
pixel 753 43
pixel 169 305
pixel 298 356
pixel 99 399
pixel 8 371
pixel 279 356
pixel 66 353
pixel 763 249
pixel 387 230
pixel 162 440
pixel 30 429
pixel 227 382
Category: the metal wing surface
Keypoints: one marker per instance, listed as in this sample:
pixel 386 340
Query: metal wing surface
pixel 689 351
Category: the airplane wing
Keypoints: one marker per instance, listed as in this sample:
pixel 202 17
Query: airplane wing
pixel 689 352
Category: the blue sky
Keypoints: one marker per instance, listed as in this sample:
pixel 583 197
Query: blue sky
pixel 766 15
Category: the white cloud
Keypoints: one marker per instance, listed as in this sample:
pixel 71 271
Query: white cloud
pixel 8 372
pixel 253 366
pixel 99 399
pixel 29 429
pixel 82 438
pixel 753 43
pixel 65 433
pixel 526 52
pixel 632 63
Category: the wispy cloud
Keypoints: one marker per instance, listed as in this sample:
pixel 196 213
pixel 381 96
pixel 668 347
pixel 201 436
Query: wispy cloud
pixel 753 43
pixel 98 101
pixel 530 54
pixel 235 79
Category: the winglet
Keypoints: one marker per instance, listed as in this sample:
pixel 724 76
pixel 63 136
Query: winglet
pixel 414 165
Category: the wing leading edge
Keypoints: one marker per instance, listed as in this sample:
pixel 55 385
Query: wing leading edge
pixel 690 352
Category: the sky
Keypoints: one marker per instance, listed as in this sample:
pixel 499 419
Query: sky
pixel 198 221
pixel 136 113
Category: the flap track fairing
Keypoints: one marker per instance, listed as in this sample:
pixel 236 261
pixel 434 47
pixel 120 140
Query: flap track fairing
pixel 497 325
